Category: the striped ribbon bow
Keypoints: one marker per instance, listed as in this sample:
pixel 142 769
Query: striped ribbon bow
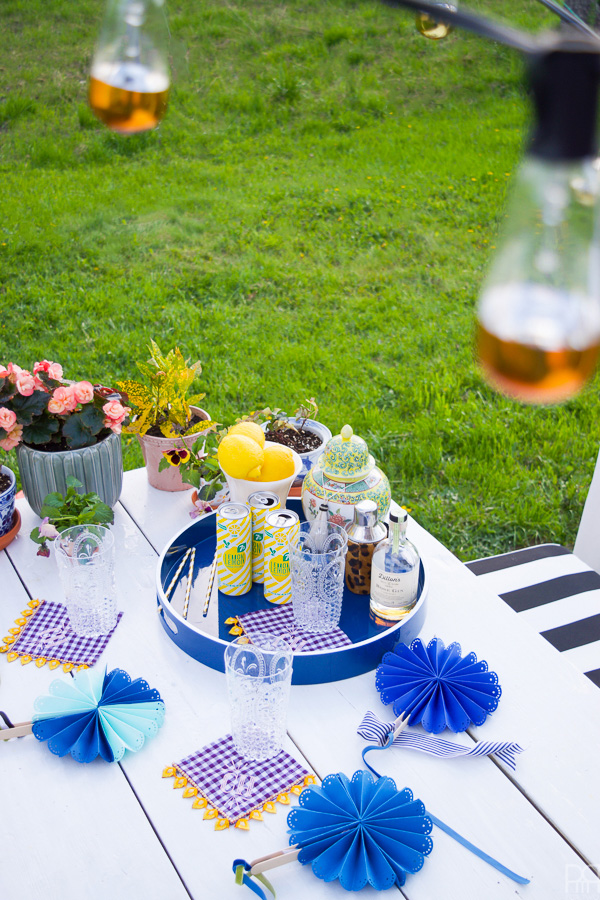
pixel 373 729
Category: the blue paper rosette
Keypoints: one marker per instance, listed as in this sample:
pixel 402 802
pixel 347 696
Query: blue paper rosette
pixel 98 713
pixel 360 831
pixel 437 686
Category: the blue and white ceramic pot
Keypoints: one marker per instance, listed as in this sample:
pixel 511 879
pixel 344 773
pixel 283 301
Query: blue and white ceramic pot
pixel 99 468
pixel 7 502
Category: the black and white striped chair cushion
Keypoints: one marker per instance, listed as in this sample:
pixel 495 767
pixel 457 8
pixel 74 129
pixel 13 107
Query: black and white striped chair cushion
pixel 556 593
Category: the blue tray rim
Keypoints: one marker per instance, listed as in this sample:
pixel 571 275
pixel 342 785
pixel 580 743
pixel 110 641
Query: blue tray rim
pixel 309 659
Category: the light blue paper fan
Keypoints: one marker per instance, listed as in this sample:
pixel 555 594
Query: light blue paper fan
pixel 97 713
pixel 360 831
pixel 437 686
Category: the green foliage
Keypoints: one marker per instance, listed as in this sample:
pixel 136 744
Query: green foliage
pixel 42 430
pixel 28 408
pixel 80 428
pixel 73 508
pixel 199 466
pixel 331 246
pixel 162 400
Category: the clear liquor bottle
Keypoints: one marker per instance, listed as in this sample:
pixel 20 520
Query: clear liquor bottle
pixel 395 571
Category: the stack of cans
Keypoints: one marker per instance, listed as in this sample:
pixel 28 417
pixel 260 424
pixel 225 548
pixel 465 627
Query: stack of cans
pixel 253 543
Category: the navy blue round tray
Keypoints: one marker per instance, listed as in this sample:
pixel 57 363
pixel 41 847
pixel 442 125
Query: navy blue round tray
pixel 205 639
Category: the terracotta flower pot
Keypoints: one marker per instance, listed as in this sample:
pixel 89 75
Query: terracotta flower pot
pixel 98 467
pixel 153 448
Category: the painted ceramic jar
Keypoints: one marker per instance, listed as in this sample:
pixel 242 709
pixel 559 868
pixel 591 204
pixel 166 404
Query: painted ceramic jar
pixel 344 475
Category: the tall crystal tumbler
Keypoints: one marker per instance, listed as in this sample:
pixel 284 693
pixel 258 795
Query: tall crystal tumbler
pixel 85 555
pixel 317 564
pixel 259 676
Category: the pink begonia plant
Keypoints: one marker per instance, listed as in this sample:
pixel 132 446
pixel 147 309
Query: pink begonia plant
pixel 39 408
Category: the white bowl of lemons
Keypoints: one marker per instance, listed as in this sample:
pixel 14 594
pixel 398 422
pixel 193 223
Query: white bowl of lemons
pixel 250 463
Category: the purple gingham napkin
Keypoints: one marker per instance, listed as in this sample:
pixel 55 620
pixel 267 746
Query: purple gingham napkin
pixel 48 634
pixel 280 621
pixel 235 786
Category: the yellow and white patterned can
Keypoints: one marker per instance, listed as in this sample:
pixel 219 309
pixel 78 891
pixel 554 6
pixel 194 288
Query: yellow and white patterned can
pixel 260 503
pixel 234 548
pixel 281 533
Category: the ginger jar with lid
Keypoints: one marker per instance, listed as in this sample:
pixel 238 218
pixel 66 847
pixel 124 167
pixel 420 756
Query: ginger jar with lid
pixel 344 475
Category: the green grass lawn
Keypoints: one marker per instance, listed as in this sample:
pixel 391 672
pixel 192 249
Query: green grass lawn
pixel 314 217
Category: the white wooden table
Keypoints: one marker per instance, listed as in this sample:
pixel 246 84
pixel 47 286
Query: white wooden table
pixel 70 831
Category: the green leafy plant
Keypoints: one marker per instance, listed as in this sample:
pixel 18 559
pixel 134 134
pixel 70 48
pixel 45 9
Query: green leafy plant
pixel 199 467
pixel 161 400
pixel 63 511
pixel 278 420
pixel 308 409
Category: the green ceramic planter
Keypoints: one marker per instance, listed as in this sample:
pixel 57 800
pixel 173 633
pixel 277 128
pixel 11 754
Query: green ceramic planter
pixel 99 468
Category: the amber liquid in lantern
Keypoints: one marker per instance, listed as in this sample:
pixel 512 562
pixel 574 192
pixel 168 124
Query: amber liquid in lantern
pixel 122 105
pixel 534 375
pixel 429 28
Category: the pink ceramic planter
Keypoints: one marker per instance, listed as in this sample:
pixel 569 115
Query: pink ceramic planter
pixel 153 448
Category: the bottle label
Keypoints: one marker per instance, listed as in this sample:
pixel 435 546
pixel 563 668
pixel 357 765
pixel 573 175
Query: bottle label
pixel 394 589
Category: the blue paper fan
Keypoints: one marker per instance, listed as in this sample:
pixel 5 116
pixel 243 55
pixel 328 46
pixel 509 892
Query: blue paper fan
pixel 98 713
pixel 361 831
pixel 437 686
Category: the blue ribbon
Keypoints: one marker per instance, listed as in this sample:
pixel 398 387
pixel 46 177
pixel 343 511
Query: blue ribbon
pixel 450 831
pixel 241 868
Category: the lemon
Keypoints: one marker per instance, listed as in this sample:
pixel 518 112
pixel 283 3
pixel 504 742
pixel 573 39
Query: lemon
pixel 240 457
pixel 278 463
pixel 251 430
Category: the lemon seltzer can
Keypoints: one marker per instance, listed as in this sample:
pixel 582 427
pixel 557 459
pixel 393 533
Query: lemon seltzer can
pixel 234 548
pixel 281 533
pixel 260 503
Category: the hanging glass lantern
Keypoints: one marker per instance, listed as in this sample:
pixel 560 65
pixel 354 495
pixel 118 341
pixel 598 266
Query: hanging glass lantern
pixel 129 77
pixel 539 312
